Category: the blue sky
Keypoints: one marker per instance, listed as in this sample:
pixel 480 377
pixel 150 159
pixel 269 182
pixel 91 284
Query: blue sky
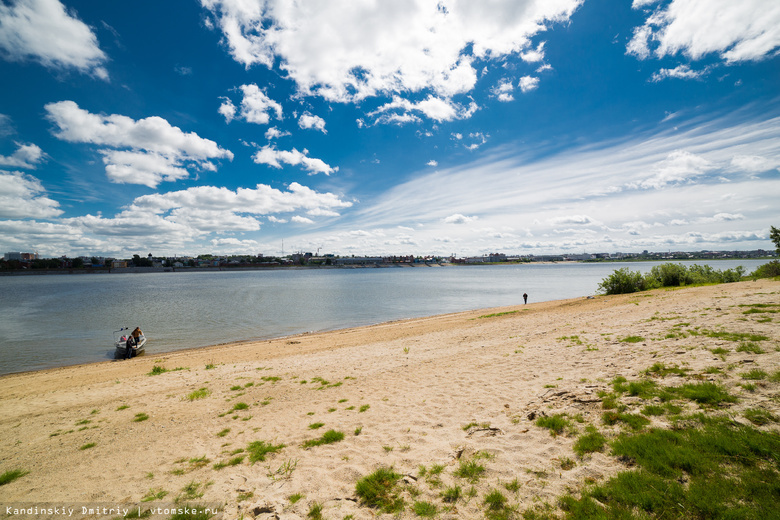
pixel 404 127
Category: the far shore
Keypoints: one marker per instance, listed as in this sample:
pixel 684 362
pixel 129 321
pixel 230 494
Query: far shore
pixel 424 393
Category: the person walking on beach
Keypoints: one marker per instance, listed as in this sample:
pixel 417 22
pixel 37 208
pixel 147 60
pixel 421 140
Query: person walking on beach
pixel 525 298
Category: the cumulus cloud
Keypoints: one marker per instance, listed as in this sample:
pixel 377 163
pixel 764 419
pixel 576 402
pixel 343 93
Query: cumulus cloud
pixel 747 30
pixel 309 121
pixel 679 72
pixel 23 196
pixel 26 156
pixel 457 218
pixel 256 106
pixel 301 220
pixel 42 30
pixel 503 91
pixel 528 83
pixel 438 109
pixel 275 133
pixel 147 151
pixel 679 166
pixel 432 162
pixel 383 48
pixel 272 157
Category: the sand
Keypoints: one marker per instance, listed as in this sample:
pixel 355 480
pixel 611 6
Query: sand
pixel 401 392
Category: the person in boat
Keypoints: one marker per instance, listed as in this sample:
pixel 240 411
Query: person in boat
pixel 136 334
pixel 129 347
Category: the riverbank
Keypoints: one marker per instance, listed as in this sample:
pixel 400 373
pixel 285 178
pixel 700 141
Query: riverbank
pixel 430 392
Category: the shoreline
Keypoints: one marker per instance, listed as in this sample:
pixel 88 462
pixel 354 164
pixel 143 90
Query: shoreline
pixel 407 393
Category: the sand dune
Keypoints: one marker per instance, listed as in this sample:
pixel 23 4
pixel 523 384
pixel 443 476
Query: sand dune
pixel 403 393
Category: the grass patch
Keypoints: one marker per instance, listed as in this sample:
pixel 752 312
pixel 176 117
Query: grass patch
pixel 708 394
pixel 496 314
pixel 88 446
pixel 139 417
pixel 754 374
pixel 425 509
pixel 632 339
pixel 329 437
pixel 157 370
pixel 635 422
pixel 154 494
pixel 759 416
pixel 223 432
pixel 451 494
pixel 555 423
pixel 750 346
pixel 235 461
pixel 589 442
pixel 734 336
pixel 380 490
pixel 11 475
pixel 659 369
pixel 316 426
pixel 717 470
pixel 259 449
pixel 363 408
pixel 470 470
pixel 200 393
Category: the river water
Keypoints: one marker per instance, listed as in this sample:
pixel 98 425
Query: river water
pixel 56 320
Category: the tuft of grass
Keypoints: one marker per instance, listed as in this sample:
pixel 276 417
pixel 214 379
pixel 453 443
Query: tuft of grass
pixel 88 446
pixel 200 393
pixel 11 475
pixel 157 370
pixel 122 407
pixel 632 339
pixel 470 470
pixel 364 407
pixel 754 374
pixel 734 336
pixel 380 490
pixel 239 406
pixel 140 417
pixel 497 314
pixel 329 437
pixel 591 441
pixel 451 494
pixel 708 394
pixel 295 497
pixel 235 461
pixel 759 416
pixel 259 449
pixel 635 422
pixel 750 346
pixel 425 509
pixel 555 423
pixel 315 511
pixel 154 494
pixel 223 432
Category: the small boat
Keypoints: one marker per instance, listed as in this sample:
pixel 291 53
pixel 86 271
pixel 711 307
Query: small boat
pixel 121 344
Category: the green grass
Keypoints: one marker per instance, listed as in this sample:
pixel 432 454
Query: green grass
pixel 235 461
pixel 451 494
pixel 555 423
pixel 750 346
pixel 239 406
pixel 589 442
pixel 223 432
pixel 200 393
pixel 659 369
pixel 315 511
pixel 157 370
pixel 759 416
pixel 635 422
pixel 154 494
pixel 632 339
pixel 11 475
pixel 140 417
pixel 496 314
pixel 708 394
pixel 715 470
pixel 380 490
pixel 317 425
pixel 295 497
pixel 425 509
pixel 329 437
pixel 259 449
pixel 88 446
pixel 754 374
pixel 734 336
pixel 364 407
pixel 470 470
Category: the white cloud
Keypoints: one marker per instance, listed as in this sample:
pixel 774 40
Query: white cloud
pixel 275 133
pixel 25 156
pixel 151 149
pixel 679 166
pixel 747 30
pixel 44 31
pixel 272 157
pixel 301 220
pixel 386 48
pixel 679 72
pixel 432 162
pixel 457 218
pixel 571 219
pixel 23 196
pixel 534 55
pixel 309 121
pixel 528 83
pixel 432 107
pixel 256 106
pixel 503 91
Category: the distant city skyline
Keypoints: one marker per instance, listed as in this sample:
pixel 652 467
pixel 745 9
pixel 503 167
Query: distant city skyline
pixel 411 127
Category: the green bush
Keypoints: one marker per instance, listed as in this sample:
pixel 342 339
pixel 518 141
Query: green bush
pixel 623 281
pixel 769 270
pixel 379 490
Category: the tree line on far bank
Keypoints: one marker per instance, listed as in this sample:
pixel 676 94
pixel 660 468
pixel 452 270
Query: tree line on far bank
pixel 623 281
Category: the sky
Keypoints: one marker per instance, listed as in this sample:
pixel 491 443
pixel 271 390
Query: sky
pixel 363 127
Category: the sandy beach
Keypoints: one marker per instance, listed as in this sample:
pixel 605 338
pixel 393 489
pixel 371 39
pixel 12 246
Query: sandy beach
pixel 424 392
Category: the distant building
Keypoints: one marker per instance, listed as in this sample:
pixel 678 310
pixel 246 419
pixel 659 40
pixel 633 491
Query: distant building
pixel 22 257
